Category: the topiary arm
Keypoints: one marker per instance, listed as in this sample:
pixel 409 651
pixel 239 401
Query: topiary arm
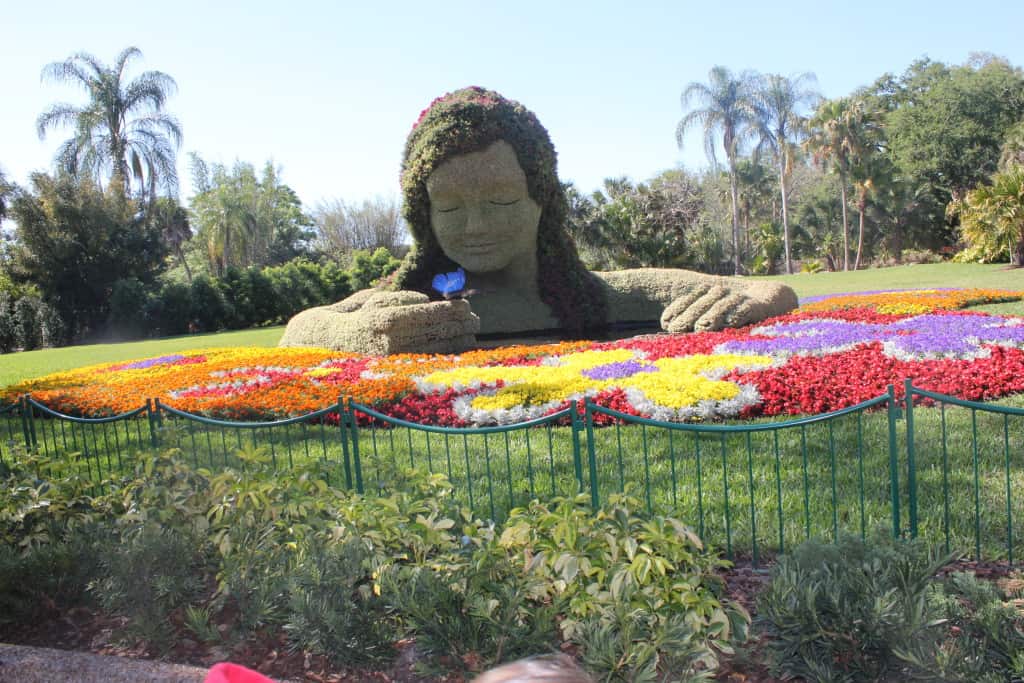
pixel 684 301
pixel 379 322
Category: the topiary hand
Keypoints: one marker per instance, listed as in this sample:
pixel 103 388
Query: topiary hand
pixel 383 322
pixel 712 303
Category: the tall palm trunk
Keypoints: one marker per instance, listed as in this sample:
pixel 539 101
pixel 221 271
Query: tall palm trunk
pixel 734 191
pixel 785 216
pixel 181 257
pixel 846 223
pixel 861 206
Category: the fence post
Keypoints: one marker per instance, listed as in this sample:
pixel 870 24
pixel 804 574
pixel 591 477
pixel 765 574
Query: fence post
pixel 153 413
pixel 349 417
pixel 911 461
pixel 577 459
pixel 894 472
pixel 25 417
pixel 343 430
pixel 595 500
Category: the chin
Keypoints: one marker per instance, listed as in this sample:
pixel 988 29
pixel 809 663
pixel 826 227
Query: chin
pixel 480 263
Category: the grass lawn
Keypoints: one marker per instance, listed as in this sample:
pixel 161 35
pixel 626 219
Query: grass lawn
pixel 15 367
pixel 989 276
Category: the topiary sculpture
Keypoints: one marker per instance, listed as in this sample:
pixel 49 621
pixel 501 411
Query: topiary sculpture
pixel 483 201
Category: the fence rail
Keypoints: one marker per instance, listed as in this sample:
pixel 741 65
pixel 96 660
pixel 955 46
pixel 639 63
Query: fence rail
pixel 750 488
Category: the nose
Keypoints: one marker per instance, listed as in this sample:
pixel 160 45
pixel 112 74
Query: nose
pixel 476 221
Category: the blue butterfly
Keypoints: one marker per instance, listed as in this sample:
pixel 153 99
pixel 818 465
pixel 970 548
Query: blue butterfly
pixel 450 284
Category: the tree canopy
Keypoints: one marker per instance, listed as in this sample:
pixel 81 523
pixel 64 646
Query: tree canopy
pixel 121 133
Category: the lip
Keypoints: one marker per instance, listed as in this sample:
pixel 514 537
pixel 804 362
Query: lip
pixel 480 246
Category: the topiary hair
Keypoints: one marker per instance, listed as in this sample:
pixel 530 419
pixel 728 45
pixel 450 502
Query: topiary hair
pixel 470 120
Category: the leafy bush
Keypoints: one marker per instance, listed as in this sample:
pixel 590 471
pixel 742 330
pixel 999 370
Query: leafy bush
pixel 811 267
pixel 238 297
pixel 8 324
pixel 598 563
pixel 479 611
pixel 878 611
pixel 209 310
pixel 367 268
pixel 170 312
pixel 52 328
pixel 128 308
pixel 146 574
pixel 35 580
pixel 982 635
pixel 26 315
pixel 848 611
pixel 332 608
pixel 265 551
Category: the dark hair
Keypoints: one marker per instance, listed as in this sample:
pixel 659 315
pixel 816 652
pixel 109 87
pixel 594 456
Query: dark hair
pixel 470 120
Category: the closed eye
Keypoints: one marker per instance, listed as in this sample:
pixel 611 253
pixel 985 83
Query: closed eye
pixel 454 208
pixel 498 203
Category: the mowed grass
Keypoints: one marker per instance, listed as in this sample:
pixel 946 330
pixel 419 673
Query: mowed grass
pixel 16 367
pixel 984 275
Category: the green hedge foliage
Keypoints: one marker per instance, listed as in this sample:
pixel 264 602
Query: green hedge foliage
pixel 235 555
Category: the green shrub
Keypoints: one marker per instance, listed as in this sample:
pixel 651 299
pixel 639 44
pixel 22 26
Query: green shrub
pixel 264 551
pixel 852 611
pixel 170 312
pixel 238 298
pixel 478 610
pixel 982 633
pixel 146 574
pixel 52 327
pixel 811 267
pixel 26 315
pixel 596 564
pixel 37 580
pixel 878 611
pixel 332 608
pixel 209 310
pixel 367 268
pixel 8 324
pixel 128 300
pixel 265 306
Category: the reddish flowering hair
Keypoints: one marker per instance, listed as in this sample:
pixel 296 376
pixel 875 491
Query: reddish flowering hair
pixel 470 120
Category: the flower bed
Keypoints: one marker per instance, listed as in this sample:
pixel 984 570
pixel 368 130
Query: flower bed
pixel 831 353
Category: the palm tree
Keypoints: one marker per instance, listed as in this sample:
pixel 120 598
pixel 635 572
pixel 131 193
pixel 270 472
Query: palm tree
pixel 5 190
pixel 726 108
pixel 869 173
pixel 172 220
pixel 1013 147
pixel 780 103
pixel 839 135
pixel 122 131
pixel 992 216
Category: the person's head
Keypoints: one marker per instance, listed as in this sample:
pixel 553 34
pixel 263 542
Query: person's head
pixel 455 137
pixel 546 669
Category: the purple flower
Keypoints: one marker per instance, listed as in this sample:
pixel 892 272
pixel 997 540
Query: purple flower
pixel 174 359
pixel 933 335
pixel 618 370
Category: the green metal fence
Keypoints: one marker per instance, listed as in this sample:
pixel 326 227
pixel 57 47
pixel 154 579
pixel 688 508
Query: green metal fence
pixel 752 489
pixel 492 469
pixel 962 478
pixel 745 487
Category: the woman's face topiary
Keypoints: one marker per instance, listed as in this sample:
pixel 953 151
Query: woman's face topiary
pixel 481 211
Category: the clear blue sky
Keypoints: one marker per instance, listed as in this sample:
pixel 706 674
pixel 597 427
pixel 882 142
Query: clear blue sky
pixel 329 90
